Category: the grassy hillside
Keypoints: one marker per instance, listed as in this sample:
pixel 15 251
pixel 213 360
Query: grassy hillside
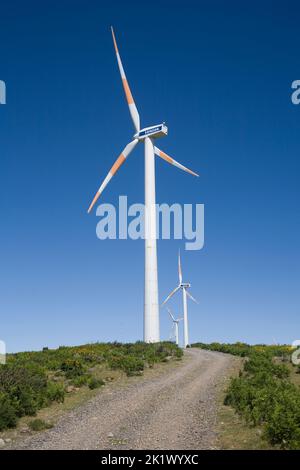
pixel 30 381
pixel 266 393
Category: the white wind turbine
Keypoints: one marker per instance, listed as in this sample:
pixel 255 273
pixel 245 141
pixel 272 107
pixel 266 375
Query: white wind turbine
pixel 146 136
pixel 175 322
pixel 183 286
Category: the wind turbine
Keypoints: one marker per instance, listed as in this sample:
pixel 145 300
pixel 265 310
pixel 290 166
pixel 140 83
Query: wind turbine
pixel 183 286
pixel 146 136
pixel 175 325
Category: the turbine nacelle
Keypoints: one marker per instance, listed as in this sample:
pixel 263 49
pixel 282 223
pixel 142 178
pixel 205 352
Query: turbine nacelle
pixel 185 285
pixel 155 132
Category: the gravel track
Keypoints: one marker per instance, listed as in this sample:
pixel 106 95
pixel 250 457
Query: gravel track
pixel 176 409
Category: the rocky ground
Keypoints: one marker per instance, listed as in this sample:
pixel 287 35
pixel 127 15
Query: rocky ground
pixel 175 409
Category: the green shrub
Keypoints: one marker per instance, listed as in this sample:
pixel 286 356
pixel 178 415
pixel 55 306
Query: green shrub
pixel 39 425
pixel 16 376
pixel 259 362
pixel 28 403
pixel 95 383
pixel 283 423
pixel 8 415
pixel 178 353
pixel 245 350
pixel 55 392
pixel 26 386
pixel 263 394
pixel 81 380
pixel 72 368
pixel 131 365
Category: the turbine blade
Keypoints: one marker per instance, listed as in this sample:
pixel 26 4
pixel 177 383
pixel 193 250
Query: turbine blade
pixel 191 297
pixel 179 268
pixel 171 160
pixel 170 313
pixel 170 295
pixel 120 160
pixel 131 104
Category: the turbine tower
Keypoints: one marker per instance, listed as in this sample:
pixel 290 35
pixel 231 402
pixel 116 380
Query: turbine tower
pixel 146 136
pixel 175 325
pixel 183 286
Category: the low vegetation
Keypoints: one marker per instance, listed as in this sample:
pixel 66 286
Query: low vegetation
pixel 39 425
pixel 30 381
pixel 263 393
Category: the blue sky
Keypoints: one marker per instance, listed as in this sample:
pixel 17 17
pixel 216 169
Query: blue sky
pixel 219 73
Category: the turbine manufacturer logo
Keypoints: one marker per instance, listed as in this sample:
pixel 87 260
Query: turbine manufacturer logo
pixel 2 92
pixel 131 222
pixel 296 94
pixel 149 131
pixel 155 129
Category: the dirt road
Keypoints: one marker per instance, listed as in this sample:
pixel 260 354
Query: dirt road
pixel 176 409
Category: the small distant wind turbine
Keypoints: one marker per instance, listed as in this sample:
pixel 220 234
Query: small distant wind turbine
pixel 175 322
pixel 147 135
pixel 183 286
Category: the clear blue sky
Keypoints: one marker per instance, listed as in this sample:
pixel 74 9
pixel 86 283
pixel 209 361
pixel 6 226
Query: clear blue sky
pixel 219 73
